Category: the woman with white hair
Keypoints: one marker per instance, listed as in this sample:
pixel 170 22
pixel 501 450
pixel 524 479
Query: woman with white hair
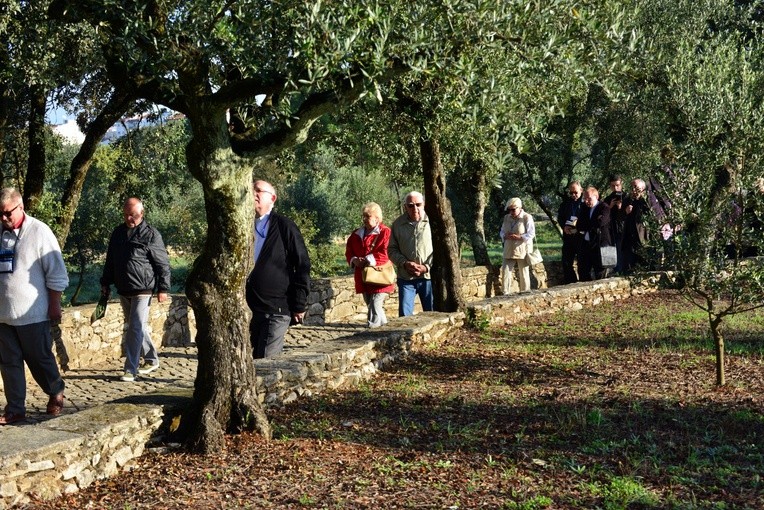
pixel 517 233
pixel 367 246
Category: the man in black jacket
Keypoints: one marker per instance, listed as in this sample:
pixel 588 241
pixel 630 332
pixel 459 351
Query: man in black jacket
pixel 567 217
pixel 278 286
pixel 594 229
pixel 137 264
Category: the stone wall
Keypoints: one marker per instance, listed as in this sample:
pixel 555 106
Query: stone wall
pixel 80 344
pixel 332 300
pixel 72 451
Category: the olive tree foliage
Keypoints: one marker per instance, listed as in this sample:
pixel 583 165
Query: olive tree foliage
pixel 276 67
pixel 40 60
pixel 715 84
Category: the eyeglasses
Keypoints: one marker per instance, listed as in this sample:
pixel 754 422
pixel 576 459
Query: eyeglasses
pixel 411 206
pixel 262 191
pixel 512 209
pixel 8 214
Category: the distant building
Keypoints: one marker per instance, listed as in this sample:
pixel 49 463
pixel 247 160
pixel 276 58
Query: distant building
pixel 71 133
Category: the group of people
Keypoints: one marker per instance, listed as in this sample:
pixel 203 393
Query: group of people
pixel 33 277
pixel 407 244
pixel 278 286
pixel 590 224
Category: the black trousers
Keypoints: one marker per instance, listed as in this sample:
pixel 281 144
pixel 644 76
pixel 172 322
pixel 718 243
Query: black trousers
pixel 570 248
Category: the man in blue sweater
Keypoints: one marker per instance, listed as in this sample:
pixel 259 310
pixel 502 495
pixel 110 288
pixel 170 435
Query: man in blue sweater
pixel 278 286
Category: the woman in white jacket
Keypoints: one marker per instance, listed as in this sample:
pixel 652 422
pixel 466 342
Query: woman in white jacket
pixel 517 233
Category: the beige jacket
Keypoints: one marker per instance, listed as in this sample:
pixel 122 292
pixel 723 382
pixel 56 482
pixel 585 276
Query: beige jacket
pixel 522 225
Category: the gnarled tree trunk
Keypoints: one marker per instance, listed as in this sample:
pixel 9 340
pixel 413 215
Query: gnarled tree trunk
pixel 119 103
pixel 225 393
pixel 447 277
pixel 34 181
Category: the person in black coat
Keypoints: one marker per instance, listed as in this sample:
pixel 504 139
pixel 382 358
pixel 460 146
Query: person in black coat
pixel 594 228
pixel 278 286
pixel 635 235
pixel 137 264
pixel 567 217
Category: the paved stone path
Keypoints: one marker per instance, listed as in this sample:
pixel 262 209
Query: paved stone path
pixel 86 388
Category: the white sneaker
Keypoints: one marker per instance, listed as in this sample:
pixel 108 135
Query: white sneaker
pixel 127 377
pixel 147 368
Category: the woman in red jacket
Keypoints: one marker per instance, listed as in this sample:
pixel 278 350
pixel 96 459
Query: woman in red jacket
pixel 367 246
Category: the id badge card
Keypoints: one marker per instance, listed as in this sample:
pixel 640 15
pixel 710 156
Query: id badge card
pixel 7 263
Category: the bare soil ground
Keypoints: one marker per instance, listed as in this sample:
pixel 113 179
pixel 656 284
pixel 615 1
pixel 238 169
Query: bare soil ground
pixel 610 407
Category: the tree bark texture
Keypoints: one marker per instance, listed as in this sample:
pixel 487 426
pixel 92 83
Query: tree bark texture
pixel 34 181
pixel 446 277
pixel 716 322
pixel 225 393
pixel 479 189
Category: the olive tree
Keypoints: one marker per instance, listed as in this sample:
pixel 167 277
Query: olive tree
pixel 252 77
pixel 707 59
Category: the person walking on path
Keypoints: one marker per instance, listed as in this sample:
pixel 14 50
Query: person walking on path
pixel 137 264
pixel 32 278
pixel 367 246
pixel 411 251
pixel 277 288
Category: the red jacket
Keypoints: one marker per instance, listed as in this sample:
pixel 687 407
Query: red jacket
pixel 361 247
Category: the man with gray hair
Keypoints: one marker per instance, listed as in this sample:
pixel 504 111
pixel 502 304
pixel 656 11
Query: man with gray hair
pixel 137 264
pixel 517 233
pixel 410 249
pixel 32 279
pixel 635 234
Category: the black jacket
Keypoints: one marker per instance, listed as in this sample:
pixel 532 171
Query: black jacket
pixel 598 226
pixel 568 208
pixel 138 264
pixel 280 281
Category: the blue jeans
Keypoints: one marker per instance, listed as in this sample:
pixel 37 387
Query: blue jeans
pixel 407 289
pixel 137 338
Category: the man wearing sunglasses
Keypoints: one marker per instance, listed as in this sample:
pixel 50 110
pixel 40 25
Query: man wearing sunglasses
pixel 32 279
pixel 410 249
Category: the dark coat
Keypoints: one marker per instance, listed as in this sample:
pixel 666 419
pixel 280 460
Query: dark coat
pixel 280 281
pixel 568 208
pixel 137 264
pixel 635 232
pixel 598 226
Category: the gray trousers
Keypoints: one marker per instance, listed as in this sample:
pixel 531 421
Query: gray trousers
pixel 32 344
pixel 376 315
pixel 266 333
pixel 137 338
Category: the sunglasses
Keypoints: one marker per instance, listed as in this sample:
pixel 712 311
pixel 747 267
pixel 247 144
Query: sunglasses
pixel 411 206
pixel 8 214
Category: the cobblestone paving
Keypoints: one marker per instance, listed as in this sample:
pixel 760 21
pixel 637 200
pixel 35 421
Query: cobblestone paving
pixel 177 368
